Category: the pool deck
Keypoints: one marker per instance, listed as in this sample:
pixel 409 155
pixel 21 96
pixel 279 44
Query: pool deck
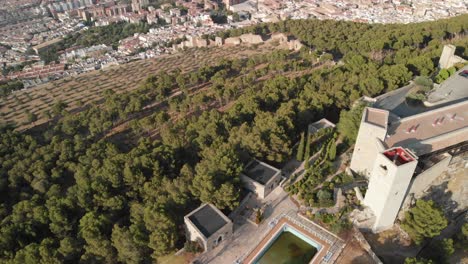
pixel 325 247
pixel 246 235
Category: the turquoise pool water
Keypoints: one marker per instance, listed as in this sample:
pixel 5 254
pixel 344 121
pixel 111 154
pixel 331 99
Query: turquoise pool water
pixel 289 246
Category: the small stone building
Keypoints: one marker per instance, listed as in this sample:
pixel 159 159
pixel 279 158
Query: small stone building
pixel 260 178
pixel 295 45
pixel 208 226
pixel 233 41
pixel 201 42
pixel 280 37
pixel 251 39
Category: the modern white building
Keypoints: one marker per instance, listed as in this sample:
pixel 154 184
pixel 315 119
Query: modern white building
pixel 260 178
pixel 424 133
pixel 208 226
pixel 424 139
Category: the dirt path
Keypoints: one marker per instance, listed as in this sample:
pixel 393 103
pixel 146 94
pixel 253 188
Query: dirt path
pixel 149 109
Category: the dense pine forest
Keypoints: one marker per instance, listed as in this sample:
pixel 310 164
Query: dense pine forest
pixel 78 191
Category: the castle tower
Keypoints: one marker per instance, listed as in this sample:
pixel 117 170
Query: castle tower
pixel 388 184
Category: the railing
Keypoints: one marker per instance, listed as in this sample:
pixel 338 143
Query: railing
pixel 336 244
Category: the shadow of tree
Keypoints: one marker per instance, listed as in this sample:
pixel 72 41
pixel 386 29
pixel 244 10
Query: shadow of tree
pixel 442 197
pixel 391 246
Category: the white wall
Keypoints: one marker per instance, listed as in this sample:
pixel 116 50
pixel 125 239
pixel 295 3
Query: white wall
pixel 193 234
pixel 253 186
pixel 422 181
pixel 272 184
pixel 366 148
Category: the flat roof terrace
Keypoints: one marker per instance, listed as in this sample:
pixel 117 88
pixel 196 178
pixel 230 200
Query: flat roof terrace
pixel 207 219
pixel 452 89
pixel 260 172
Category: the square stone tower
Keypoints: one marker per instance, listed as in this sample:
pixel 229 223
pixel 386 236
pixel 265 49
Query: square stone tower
pixel 388 184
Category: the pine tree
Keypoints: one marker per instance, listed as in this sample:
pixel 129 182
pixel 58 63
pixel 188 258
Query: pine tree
pixel 424 221
pixel 446 248
pixel 300 149
pixel 418 261
pixel 349 123
pixel 332 150
pixel 307 152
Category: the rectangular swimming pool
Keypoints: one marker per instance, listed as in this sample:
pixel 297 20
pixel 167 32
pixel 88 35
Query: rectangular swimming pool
pixel 288 246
